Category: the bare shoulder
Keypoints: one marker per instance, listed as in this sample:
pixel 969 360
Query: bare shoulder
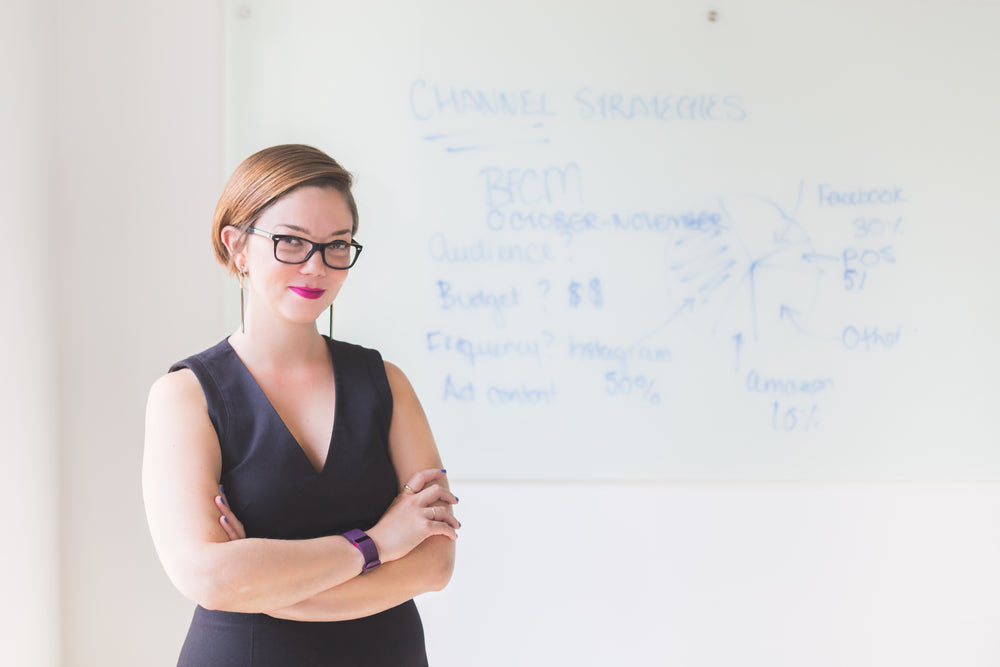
pixel 404 396
pixel 181 470
pixel 177 388
pixel 177 417
pixel 398 381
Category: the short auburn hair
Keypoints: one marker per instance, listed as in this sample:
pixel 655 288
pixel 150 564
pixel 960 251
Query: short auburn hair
pixel 265 177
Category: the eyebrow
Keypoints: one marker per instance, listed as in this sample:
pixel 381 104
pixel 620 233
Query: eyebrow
pixel 296 228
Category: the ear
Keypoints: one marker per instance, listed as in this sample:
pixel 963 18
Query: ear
pixel 230 238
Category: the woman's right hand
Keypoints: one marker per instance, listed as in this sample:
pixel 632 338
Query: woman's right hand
pixel 422 510
pixel 232 525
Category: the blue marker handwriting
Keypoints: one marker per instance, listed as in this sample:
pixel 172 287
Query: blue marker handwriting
pixel 873 228
pixel 862 196
pixel 658 106
pixel 785 386
pixel 432 100
pixel 570 223
pixel 592 294
pixel 522 394
pixel 500 394
pixel 866 338
pixel 479 299
pixel 641 387
pixel 858 261
pixel 794 418
pixel 599 350
pixel 429 100
pixel 474 350
pixel 480 251
pixel 532 186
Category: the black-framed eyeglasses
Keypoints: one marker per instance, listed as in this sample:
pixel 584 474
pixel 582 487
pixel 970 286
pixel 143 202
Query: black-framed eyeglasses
pixel 339 254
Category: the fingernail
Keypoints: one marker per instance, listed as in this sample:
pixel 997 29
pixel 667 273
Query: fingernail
pixel 456 499
pixel 222 499
pixel 222 488
pixel 443 470
pixel 225 519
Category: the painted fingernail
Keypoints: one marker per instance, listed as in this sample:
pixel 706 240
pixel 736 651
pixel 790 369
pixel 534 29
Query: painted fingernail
pixel 224 519
pixel 443 470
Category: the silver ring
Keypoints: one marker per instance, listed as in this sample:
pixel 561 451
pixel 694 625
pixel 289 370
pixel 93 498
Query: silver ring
pixel 435 511
pixel 406 487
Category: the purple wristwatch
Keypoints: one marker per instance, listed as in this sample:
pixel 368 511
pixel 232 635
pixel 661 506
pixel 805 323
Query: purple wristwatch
pixel 366 546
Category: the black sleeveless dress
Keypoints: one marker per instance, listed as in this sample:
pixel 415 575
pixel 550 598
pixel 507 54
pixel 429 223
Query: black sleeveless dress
pixel 277 493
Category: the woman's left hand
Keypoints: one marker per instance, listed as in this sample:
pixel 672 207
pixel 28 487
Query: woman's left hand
pixel 228 520
pixel 234 527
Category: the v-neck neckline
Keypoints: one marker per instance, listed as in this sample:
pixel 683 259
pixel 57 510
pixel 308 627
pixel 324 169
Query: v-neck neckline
pixel 288 431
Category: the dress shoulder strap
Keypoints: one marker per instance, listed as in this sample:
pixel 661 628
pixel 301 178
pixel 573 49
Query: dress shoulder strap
pixel 209 367
pixel 366 368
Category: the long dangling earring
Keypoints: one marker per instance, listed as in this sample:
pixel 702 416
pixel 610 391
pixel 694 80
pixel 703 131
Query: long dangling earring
pixel 331 320
pixel 243 324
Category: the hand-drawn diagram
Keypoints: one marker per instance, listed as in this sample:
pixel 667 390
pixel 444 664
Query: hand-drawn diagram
pixel 742 277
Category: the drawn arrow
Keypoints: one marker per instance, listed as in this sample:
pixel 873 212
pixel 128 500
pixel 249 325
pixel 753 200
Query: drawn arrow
pixel 687 305
pixel 788 313
pixel 811 256
pixel 739 342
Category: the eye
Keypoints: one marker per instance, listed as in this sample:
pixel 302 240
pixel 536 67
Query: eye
pixel 291 241
pixel 339 245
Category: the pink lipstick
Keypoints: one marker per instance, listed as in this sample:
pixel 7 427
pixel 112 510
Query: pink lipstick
pixel 307 293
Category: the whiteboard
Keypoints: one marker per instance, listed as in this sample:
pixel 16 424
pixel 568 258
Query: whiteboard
pixel 643 241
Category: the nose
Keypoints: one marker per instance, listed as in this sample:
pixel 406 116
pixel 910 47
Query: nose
pixel 314 265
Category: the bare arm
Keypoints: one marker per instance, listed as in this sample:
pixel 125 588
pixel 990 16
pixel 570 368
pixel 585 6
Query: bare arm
pixel 181 471
pixel 429 566
pixel 421 570
pixel 389 585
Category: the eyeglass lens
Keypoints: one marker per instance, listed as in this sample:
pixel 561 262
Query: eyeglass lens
pixel 295 251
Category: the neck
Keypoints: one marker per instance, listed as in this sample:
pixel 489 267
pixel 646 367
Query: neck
pixel 272 342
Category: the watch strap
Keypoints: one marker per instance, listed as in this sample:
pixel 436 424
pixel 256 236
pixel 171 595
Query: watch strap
pixel 366 546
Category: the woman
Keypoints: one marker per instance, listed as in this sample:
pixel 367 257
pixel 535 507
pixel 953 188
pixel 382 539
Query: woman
pixel 292 485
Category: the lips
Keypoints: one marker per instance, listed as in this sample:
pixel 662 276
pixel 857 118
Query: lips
pixel 307 293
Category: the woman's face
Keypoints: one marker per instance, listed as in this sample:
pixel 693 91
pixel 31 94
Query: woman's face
pixel 296 292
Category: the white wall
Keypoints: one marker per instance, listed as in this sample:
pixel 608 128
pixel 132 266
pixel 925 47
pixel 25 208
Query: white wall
pixel 139 143
pixel 716 575
pixel 583 574
pixel 29 566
